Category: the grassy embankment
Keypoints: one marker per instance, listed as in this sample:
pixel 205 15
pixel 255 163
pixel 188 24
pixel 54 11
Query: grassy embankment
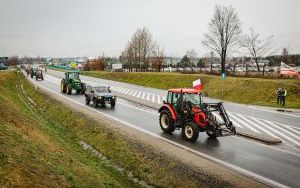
pixel 255 91
pixel 39 146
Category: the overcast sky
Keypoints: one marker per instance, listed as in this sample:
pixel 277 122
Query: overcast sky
pixel 65 28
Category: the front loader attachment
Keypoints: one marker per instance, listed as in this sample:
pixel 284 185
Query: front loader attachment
pixel 222 122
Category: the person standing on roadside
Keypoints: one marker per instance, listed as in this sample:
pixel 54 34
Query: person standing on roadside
pixel 283 96
pixel 278 93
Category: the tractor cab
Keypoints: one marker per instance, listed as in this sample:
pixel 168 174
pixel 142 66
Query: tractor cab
pixel 184 100
pixel 72 75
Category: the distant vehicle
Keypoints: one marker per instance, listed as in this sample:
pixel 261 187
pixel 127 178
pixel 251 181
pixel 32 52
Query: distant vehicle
pixel 99 95
pixel 2 66
pixel 72 81
pixel 32 72
pixel 39 75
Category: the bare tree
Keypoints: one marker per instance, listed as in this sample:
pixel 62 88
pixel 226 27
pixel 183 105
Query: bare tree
pixel 138 48
pixel 157 57
pixel 285 56
pixel 192 55
pixel 257 47
pixel 224 30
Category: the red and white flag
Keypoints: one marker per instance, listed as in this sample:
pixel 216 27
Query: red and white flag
pixel 197 84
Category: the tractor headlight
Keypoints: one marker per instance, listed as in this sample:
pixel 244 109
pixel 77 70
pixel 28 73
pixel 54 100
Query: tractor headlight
pixel 99 97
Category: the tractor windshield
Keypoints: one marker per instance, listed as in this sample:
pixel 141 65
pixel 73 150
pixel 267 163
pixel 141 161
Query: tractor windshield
pixel 194 98
pixel 73 75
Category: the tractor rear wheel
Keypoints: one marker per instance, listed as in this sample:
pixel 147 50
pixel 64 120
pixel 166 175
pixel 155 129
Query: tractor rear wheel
pixel 190 131
pixel 69 89
pixel 62 87
pixel 166 121
pixel 112 104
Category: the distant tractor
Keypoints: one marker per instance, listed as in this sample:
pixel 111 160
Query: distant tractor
pixel 39 75
pixel 72 82
pixel 32 72
pixel 185 110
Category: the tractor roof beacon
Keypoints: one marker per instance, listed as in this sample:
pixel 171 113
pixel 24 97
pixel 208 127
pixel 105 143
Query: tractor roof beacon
pixel 184 109
pixel 72 81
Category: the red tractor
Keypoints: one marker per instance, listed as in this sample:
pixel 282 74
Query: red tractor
pixel 185 110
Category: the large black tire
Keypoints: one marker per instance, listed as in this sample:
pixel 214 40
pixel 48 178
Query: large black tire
pixel 69 89
pixel 112 104
pixel 166 121
pixel 36 78
pixel 87 100
pixel 190 131
pixel 83 88
pixel 95 103
pixel 31 75
pixel 62 87
pixel 42 78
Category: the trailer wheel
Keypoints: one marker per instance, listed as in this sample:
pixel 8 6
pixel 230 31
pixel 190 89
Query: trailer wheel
pixel 166 121
pixel 190 131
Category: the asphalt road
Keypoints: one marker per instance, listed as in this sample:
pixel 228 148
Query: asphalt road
pixel 273 164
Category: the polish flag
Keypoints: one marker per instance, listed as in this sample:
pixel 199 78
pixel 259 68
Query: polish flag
pixel 197 84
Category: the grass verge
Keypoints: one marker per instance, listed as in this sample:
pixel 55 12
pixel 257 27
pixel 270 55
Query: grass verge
pixel 254 91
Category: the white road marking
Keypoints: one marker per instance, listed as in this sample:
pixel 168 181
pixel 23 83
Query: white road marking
pixel 134 93
pixel 264 129
pixel 148 96
pixel 244 123
pixel 131 92
pixel 139 94
pixel 158 99
pixel 279 133
pixel 153 97
pixel 143 96
pixel 127 91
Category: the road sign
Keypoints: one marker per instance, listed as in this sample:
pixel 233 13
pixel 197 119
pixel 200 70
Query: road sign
pixel 116 66
pixel 223 75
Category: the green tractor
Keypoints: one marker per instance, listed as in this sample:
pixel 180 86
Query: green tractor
pixel 72 81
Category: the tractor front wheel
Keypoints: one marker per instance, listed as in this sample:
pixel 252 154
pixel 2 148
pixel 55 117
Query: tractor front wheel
pixel 190 131
pixel 87 100
pixel 95 103
pixel 69 89
pixel 166 121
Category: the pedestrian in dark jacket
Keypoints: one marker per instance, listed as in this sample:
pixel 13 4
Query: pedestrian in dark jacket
pixel 278 93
